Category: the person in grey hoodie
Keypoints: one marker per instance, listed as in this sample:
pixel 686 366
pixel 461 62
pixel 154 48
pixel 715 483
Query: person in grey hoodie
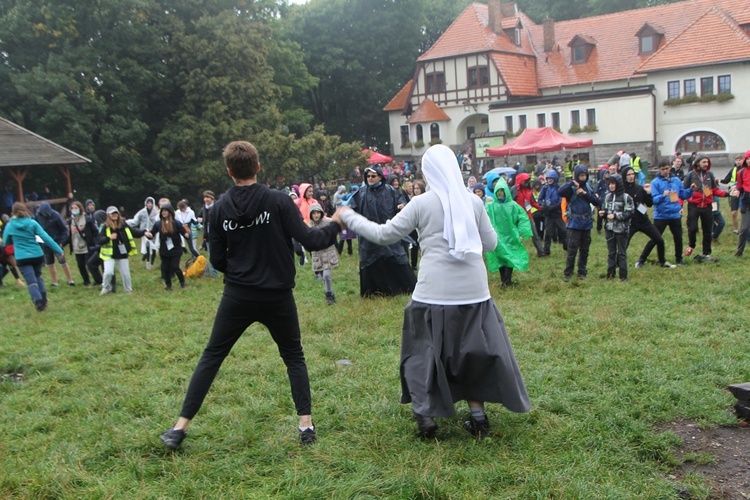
pixel 144 220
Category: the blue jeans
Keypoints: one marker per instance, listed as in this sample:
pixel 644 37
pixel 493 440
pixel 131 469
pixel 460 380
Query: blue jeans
pixel 32 274
pixel 719 224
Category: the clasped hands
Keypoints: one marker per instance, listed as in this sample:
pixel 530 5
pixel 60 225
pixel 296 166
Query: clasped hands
pixel 336 217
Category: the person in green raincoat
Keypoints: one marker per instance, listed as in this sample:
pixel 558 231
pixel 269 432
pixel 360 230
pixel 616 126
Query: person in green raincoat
pixel 511 225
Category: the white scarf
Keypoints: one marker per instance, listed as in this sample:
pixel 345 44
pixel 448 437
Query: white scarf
pixel 460 230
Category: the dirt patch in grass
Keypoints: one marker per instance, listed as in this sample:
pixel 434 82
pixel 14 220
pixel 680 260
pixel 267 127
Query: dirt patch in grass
pixel 719 454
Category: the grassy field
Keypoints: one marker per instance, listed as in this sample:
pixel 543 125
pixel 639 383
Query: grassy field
pixel 98 378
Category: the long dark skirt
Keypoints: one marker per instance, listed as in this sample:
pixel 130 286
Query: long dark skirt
pixel 386 277
pixel 453 353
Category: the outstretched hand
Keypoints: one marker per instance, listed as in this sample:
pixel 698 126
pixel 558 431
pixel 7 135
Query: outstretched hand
pixel 337 216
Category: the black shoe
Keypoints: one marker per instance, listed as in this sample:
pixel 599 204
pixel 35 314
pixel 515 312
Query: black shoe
pixel 168 289
pixel 566 278
pixel 330 298
pixel 172 438
pixel 426 425
pixel 183 285
pixel 307 436
pixel 477 428
pixel 40 305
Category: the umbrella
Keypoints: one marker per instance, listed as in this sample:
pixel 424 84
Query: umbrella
pixel 376 157
pixel 508 171
pixel 539 140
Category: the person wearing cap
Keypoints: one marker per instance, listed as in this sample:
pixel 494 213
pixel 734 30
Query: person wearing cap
pixel 117 240
pixel 251 235
pixel 454 345
pixel 703 186
pixel 208 202
pixel 383 269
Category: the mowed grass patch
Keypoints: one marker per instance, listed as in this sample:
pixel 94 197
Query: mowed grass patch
pixel 603 361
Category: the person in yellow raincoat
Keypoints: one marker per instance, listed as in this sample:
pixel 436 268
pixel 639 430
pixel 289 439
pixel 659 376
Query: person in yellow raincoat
pixel 511 225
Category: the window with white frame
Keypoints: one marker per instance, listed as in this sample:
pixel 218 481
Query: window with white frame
pixel 707 85
pixel 575 118
pixel 420 133
pixel 556 120
pixel 509 124
pixel 591 117
pixel 404 135
pixel 521 122
pixel 541 120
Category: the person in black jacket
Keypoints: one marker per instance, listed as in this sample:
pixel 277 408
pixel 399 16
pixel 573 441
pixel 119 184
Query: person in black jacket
pixel 170 233
pixel 53 223
pixel 83 234
pixel 640 222
pixel 251 235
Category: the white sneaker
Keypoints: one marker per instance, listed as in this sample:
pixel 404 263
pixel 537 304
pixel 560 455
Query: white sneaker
pixel 148 265
pixel 105 291
pixel 638 264
pixel 668 265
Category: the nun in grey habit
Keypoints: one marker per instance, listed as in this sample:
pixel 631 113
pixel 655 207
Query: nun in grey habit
pixel 454 343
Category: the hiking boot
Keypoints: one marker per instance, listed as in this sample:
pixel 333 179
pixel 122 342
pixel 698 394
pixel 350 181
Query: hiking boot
pixel 566 278
pixel 40 305
pixel 426 425
pixel 477 428
pixel 638 264
pixel 172 438
pixel 708 258
pixel 183 285
pixel 330 298
pixel 307 436
pixel 105 291
pixel 688 251
pixel 668 265
pixel 698 258
pixel 681 264
pixel 738 254
pixel 168 289
pixel 72 283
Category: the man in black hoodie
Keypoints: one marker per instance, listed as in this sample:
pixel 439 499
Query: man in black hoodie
pixel 251 243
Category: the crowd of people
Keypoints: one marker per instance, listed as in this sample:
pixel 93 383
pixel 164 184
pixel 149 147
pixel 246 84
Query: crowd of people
pixel 450 233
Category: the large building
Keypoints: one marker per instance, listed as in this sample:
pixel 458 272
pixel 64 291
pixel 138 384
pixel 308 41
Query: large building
pixel 655 80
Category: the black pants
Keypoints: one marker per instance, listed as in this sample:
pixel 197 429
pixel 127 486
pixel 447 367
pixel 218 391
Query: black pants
pixel 94 265
pixel 654 236
pixel 235 314
pixel 706 217
pixel 579 242
pixel 506 275
pixel 81 259
pixel 170 265
pixel 554 226
pixel 340 246
pixel 617 246
pixel 675 226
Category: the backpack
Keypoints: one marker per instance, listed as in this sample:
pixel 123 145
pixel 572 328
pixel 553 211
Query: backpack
pixel 195 267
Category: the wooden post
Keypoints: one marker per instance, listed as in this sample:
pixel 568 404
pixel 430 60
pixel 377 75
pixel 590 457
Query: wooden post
pixel 65 172
pixel 19 174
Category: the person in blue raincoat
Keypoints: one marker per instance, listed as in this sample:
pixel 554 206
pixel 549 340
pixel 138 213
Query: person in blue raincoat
pixel 511 225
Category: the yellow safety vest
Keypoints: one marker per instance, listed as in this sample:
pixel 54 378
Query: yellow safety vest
pixel 105 253
pixel 636 164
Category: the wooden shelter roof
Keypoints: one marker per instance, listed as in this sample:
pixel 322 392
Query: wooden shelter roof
pixel 20 147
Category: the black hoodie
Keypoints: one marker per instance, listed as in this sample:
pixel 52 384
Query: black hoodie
pixel 640 197
pixel 251 238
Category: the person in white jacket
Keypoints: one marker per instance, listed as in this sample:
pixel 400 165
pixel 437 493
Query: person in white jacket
pixel 186 215
pixel 144 220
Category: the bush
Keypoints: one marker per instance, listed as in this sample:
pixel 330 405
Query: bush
pixel 407 144
pixel 674 101
pixel 575 129
pixel 590 128
pixel 708 97
pixel 690 98
pixel 724 97
pixel 419 144
pixel 435 140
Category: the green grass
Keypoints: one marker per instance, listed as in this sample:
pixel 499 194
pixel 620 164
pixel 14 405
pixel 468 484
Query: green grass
pixel 604 362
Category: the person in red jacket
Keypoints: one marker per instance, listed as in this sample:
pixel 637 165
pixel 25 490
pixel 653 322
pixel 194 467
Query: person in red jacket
pixel 702 183
pixel 743 191
pixel 525 198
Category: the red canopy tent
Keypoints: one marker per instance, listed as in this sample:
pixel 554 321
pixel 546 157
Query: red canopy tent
pixel 376 157
pixel 539 140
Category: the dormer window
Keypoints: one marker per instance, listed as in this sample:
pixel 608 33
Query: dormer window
pixel 512 27
pixel 649 37
pixel 581 47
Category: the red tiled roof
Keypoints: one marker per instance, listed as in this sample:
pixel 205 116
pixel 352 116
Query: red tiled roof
pixel 399 100
pixel 470 33
pixel 616 54
pixel 518 72
pixel 509 23
pixel 428 111
pixel 728 42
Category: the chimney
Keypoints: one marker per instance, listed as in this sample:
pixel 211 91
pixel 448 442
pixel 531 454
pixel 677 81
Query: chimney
pixel 495 11
pixel 509 9
pixel 548 26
